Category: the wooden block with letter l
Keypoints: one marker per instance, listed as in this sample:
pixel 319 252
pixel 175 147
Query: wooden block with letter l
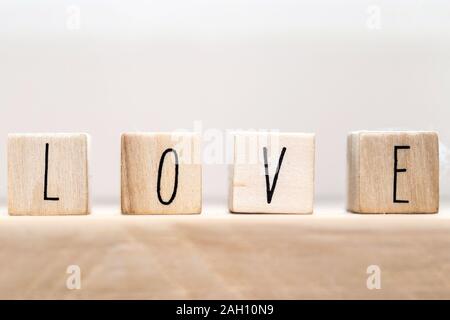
pixel 393 172
pixel 272 173
pixel 48 174
pixel 161 173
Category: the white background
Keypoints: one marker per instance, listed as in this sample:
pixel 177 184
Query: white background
pixel 314 66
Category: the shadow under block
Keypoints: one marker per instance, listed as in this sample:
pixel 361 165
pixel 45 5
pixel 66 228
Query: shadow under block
pixel 255 186
pixel 48 174
pixel 393 172
pixel 161 173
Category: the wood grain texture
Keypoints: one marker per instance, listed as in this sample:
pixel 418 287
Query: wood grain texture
pixel 371 163
pixel 223 256
pixel 67 177
pixel 141 160
pixel 294 190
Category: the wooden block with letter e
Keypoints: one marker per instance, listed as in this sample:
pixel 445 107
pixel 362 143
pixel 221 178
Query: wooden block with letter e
pixel 48 174
pixel 161 173
pixel 272 173
pixel 393 172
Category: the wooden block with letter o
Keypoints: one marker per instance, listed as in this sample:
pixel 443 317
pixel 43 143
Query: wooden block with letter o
pixel 48 174
pixel 272 173
pixel 161 173
pixel 393 172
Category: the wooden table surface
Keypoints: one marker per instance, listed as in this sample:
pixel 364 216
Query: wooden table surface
pixel 218 255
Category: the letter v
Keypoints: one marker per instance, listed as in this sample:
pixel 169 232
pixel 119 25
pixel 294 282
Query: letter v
pixel 270 190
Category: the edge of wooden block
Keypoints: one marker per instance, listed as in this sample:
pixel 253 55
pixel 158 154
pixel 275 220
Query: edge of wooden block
pixel 231 177
pixel 353 174
pixel 148 213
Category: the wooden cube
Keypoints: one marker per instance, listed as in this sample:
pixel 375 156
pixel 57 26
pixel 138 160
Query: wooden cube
pixel 393 172
pixel 48 174
pixel 272 173
pixel 161 173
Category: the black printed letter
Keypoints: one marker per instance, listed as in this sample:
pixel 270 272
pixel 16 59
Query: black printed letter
pixel 46 197
pixel 270 190
pixel 396 170
pixel 161 163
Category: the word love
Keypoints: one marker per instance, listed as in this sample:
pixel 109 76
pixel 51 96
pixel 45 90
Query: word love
pixel 161 173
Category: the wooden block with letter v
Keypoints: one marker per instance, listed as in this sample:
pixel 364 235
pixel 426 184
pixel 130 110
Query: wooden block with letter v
pixel 161 173
pixel 272 173
pixel 393 172
pixel 48 174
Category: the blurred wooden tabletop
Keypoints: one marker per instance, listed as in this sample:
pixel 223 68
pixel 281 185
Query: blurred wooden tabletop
pixel 218 255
